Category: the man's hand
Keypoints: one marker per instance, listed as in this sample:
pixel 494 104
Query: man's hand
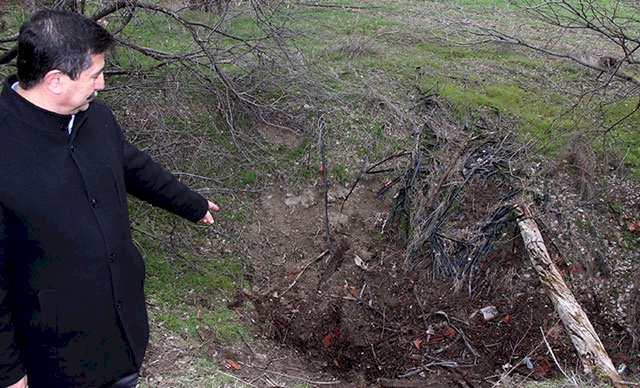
pixel 20 384
pixel 208 218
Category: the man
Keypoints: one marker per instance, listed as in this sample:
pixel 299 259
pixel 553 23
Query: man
pixel 72 310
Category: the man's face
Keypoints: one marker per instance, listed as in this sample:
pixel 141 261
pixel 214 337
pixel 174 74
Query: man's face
pixel 80 92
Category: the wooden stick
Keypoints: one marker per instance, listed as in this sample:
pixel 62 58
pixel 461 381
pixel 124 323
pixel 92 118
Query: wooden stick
pixel 321 129
pixel 594 357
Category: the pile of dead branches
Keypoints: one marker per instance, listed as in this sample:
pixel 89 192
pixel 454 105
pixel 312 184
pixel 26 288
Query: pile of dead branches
pixel 455 195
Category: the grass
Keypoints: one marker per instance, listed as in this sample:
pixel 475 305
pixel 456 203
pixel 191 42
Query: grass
pixel 189 292
pixel 249 177
pixel 195 322
pixel 296 160
pixel 470 77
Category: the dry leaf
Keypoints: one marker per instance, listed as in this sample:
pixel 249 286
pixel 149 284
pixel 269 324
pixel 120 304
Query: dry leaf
pixel 573 268
pixel 417 342
pixel 435 339
pixel 542 367
pixel 232 364
pixel 449 332
pixel 328 339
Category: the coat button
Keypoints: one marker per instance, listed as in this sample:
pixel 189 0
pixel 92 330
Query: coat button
pixel 112 258
pixel 94 203
pixel 72 149
pixel 119 305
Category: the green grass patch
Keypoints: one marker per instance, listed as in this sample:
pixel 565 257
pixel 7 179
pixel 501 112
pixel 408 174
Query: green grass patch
pixel 249 177
pixel 290 157
pixel 478 3
pixel 197 321
pixel 172 280
pixel 189 293
pixel 536 116
pixel 341 174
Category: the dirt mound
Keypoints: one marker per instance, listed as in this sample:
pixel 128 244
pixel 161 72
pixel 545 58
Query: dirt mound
pixel 369 318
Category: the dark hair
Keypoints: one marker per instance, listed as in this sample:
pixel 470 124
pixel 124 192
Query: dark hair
pixel 58 40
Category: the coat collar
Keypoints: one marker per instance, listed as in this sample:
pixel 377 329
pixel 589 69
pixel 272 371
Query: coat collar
pixel 32 115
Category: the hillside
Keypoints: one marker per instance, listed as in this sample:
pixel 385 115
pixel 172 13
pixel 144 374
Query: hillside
pixel 367 156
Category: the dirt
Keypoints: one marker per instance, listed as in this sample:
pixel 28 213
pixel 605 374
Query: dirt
pixel 361 315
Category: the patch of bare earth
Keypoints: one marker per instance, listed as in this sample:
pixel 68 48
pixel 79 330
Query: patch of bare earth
pixel 364 315
pixel 363 318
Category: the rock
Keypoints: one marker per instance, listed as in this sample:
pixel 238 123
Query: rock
pixel 484 314
pixel 489 312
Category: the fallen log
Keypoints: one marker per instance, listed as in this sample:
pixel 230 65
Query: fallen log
pixel 594 357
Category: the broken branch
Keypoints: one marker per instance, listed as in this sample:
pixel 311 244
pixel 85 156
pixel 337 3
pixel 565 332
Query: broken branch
pixel 594 357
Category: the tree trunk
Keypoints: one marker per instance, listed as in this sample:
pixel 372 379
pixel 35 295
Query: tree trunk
pixel 594 357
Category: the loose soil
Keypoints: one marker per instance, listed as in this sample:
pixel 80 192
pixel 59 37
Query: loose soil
pixel 361 316
pixel 369 319
pixel 364 316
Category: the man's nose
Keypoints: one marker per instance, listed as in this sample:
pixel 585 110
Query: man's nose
pixel 100 82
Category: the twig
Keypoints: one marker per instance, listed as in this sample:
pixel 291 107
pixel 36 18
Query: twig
pixel 387 186
pixel 318 5
pixel 623 118
pixel 321 127
pixel 365 160
pixel 466 341
pixel 544 338
pixel 181 173
pixel 504 375
pixel 370 170
pixel 148 234
pixel 297 377
pixel 320 256
pixel 515 347
pixel 349 298
pixel 225 190
pixel 445 175
pixel 235 378
pixel 375 357
pixel 449 364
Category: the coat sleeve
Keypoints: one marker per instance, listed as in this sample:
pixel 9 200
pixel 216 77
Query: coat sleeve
pixel 147 180
pixel 11 369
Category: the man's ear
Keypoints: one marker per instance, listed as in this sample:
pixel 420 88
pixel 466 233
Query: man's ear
pixel 54 81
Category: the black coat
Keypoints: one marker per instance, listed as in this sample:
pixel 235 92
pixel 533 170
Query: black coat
pixel 72 309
